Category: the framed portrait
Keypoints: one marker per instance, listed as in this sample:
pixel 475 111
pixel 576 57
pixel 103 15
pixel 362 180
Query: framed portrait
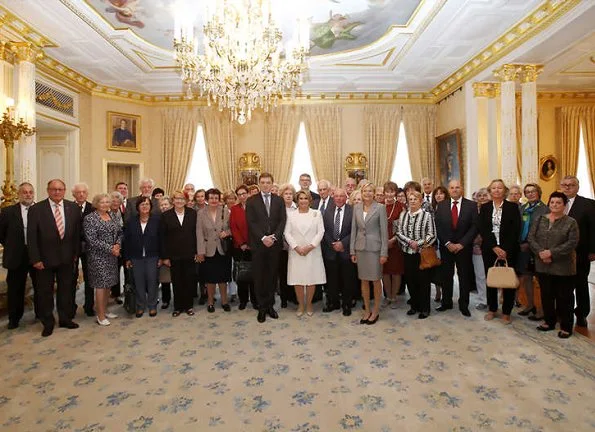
pixel 449 157
pixel 123 132
pixel 548 167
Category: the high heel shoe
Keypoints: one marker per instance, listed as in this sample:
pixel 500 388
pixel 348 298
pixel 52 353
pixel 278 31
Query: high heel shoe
pixel 371 322
pixel 365 320
pixel 526 312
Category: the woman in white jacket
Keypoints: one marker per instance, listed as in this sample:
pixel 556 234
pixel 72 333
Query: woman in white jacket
pixel 303 233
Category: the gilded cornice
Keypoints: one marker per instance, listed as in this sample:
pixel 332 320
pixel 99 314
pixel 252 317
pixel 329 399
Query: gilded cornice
pixel 529 72
pixel 565 95
pixel 13 26
pixel 486 89
pixel 538 20
pixel 25 51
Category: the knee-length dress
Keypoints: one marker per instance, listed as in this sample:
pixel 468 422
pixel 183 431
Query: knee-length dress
pixel 100 237
pixel 303 229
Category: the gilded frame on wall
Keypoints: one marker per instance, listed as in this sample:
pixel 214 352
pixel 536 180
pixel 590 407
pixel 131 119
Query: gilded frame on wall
pixel 548 167
pixel 449 160
pixel 123 132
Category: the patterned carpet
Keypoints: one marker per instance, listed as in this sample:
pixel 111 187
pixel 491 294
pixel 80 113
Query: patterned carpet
pixel 226 372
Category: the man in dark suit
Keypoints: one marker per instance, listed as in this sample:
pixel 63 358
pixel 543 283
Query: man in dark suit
pixel 266 217
pixel 146 186
pixel 54 241
pixel 456 226
pixel 322 203
pixel 305 183
pixel 80 193
pixel 13 227
pixel 341 273
pixel 582 210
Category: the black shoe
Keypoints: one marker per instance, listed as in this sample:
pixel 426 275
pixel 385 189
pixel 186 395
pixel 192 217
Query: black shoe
pixel 69 325
pixel 165 305
pixel 47 331
pixel 581 322
pixel 210 308
pixel 564 335
pixel 374 321
pixel 139 314
pixel 226 307
pixel 528 311
pixel 423 315
pixel 262 316
pixel 272 313
pixel 242 306
pixel 330 308
pixel 411 311
pixel 465 312
pixel 535 318
pixel 443 308
pixel 365 320
pixel 202 300
pixel 283 304
pixel 409 302
pixel 346 311
pixel 12 325
pixel 153 313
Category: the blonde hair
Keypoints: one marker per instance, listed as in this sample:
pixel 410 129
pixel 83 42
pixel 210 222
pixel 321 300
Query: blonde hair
pixel 303 192
pixel 286 186
pixel 97 198
pixel 353 195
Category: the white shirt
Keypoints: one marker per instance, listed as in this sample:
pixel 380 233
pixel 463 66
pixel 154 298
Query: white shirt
pixel 24 215
pixel 496 221
pixel 569 204
pixel 180 218
pixel 458 204
pixel 60 206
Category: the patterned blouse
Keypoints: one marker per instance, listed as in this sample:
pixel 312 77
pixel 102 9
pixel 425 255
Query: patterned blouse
pixel 418 226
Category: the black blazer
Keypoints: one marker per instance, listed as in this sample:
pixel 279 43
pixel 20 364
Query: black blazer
pixel 44 240
pixel 178 241
pixel 12 236
pixel 510 232
pixel 135 240
pixel 316 203
pixel 260 224
pixel 466 225
pixel 328 252
pixel 583 212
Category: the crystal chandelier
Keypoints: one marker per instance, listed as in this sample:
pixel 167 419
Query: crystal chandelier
pixel 242 66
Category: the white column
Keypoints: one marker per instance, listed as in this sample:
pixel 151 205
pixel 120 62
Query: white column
pixel 5 94
pixel 507 75
pixel 471 141
pixel 488 165
pixel 493 141
pixel 530 155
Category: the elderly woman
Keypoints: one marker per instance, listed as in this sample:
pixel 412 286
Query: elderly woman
pixel 415 230
pixel 525 265
pixel 481 197
pixel 104 238
pixel 253 190
pixel 166 204
pixel 212 226
pixel 141 252
pixel 514 194
pixel 116 200
pixel 553 239
pixel 369 249
pixel 393 269
pixel 355 197
pixel 287 192
pixel 500 229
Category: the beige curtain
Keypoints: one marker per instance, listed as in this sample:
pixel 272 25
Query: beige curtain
pixel 381 124
pixel 323 130
pixel 179 135
pixel 588 123
pixel 568 121
pixel 280 135
pixel 420 129
pixel 218 130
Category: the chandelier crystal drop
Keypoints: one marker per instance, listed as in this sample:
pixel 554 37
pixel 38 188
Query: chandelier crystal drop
pixel 242 67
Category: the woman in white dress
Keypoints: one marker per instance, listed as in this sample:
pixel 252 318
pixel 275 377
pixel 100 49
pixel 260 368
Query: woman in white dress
pixel 303 233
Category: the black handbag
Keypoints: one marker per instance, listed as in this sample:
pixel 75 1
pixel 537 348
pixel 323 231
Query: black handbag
pixel 129 292
pixel 242 271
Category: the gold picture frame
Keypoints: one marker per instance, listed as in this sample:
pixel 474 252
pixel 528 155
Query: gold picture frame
pixel 548 167
pixel 123 132
pixel 449 163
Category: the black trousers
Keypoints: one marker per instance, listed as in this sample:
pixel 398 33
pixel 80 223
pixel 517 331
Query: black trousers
pixel 286 292
pixel 61 274
pixel 557 299
pixel 464 263
pixel 16 281
pixel 265 265
pixel 166 292
pixel 341 275
pixel 418 282
pixel 581 287
pixel 183 279
pixel 245 289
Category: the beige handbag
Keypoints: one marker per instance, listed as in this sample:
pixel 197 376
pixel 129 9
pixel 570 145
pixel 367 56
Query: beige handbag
pixel 502 276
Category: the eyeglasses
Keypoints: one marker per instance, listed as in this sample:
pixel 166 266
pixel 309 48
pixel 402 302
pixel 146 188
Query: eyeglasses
pixel 56 189
pixel 569 184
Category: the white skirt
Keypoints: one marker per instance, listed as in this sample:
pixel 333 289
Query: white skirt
pixel 306 270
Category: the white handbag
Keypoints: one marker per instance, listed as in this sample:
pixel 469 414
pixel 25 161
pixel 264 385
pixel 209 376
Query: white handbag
pixel 502 276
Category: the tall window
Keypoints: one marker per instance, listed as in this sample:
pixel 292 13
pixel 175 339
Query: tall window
pixel 402 167
pixel 582 171
pixel 199 173
pixel 302 163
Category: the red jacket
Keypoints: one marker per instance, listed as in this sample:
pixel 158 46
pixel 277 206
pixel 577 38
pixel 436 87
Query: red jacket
pixel 238 225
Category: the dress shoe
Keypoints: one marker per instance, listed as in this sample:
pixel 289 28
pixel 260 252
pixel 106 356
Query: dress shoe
pixel 481 306
pixel 581 321
pixel 310 313
pixel 564 335
pixel 365 320
pixel 526 312
pixel 373 321
pixel 545 328
pixel 465 312
pixel 226 307
pixel 443 308
pixel 12 325
pixel 262 316
pixel 47 331
pixel 330 308
pixel 164 305
pixel 175 314
pixel 190 312
pixel 346 311
pixel 69 325
pixel 242 306
pixel 423 315
pixel 139 314
pixel 411 311
pixel 299 313
pixel 152 313
pixel 283 304
pixel 210 308
pixel 272 313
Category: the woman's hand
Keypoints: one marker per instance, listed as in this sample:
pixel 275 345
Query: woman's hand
pixel 414 245
pixel 383 260
pixel 223 234
pixel 116 250
pixel 200 258
pixel 500 253
pixel 354 259
pixel 166 262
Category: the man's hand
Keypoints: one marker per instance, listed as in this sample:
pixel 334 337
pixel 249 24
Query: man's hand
pixel 128 264
pixel 338 247
pixel 268 241
pixel 244 247
pixel 166 262
pixel 592 257
pixel 39 265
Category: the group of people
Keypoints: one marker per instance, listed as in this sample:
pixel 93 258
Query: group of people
pixel 353 241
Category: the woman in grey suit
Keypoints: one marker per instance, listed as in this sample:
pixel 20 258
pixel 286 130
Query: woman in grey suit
pixel 369 248
pixel 212 228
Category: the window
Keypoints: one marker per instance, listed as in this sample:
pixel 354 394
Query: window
pixel 402 166
pixel 199 173
pixel 582 171
pixel 302 163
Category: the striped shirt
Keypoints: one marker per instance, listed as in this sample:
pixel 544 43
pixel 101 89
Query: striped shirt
pixel 418 226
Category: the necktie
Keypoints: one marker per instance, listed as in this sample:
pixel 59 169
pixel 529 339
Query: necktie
pixel 123 208
pixel 323 206
pixel 337 230
pixel 567 209
pixel 267 203
pixel 428 198
pixel 59 220
pixel 81 207
pixel 455 214
pixel 25 220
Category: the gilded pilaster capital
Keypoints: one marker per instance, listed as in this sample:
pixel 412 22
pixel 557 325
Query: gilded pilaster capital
pixel 486 89
pixel 529 72
pixel 507 72
pixel 25 51
pixel 5 52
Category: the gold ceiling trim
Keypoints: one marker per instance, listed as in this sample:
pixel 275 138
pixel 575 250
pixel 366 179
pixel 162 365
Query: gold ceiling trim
pixel 537 21
pixel 22 28
pixel 388 53
pixel 578 95
pixel 144 57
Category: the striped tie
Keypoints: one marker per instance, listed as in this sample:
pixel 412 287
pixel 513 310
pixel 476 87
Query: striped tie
pixel 59 221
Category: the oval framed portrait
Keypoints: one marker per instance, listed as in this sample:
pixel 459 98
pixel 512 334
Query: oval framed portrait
pixel 548 167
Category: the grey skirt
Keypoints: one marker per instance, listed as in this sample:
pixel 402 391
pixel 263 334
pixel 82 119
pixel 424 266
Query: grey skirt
pixel 368 265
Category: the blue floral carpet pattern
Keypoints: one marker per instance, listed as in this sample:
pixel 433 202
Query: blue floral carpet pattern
pixel 226 372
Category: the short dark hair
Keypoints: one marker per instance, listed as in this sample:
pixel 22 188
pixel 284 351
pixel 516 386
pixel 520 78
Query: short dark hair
pixel 412 185
pixel 557 194
pixel 142 199
pixel 121 183
pixel 267 175
pixel 157 191
pixel 213 191
pixel 306 175
pixel 390 185
pixel 439 189
pixel 533 185
pixel 240 187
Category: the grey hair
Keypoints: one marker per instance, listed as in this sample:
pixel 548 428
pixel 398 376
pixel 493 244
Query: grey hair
pixel 571 177
pixel 98 198
pixel 324 182
pixel 146 180
pixel 118 195
pixel 81 185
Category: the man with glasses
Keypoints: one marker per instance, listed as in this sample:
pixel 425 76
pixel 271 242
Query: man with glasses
pixel 582 210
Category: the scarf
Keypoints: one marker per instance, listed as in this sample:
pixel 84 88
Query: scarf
pixel 526 218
